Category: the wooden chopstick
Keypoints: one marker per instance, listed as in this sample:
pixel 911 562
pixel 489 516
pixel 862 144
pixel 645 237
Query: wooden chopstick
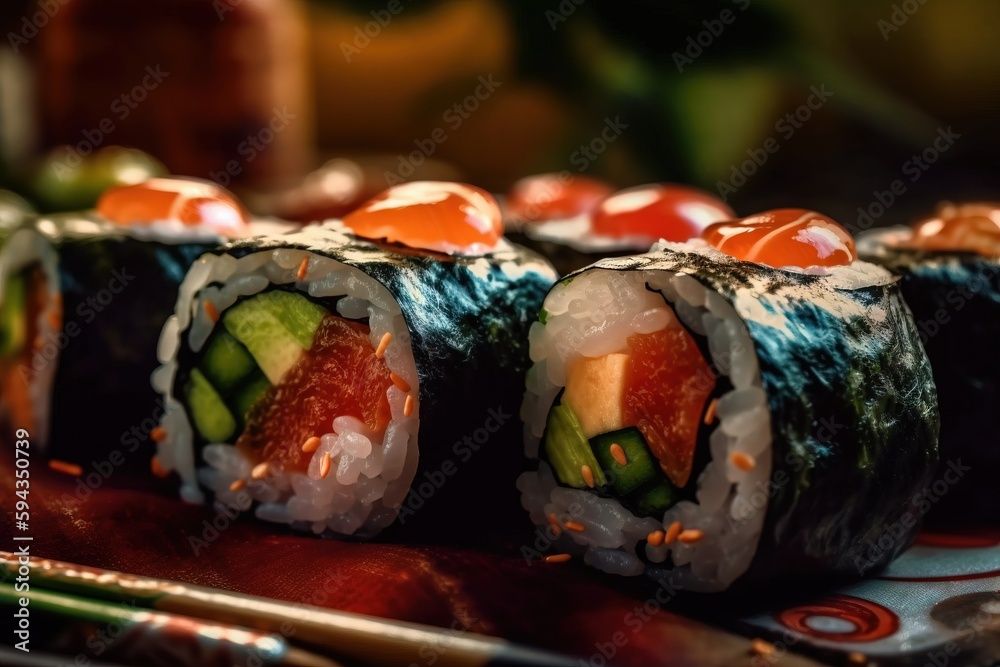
pixel 366 639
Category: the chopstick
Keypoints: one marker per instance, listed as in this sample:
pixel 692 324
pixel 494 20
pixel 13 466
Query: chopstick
pixel 365 639
pixel 78 616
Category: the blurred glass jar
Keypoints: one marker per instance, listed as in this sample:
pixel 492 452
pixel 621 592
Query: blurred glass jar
pixel 216 89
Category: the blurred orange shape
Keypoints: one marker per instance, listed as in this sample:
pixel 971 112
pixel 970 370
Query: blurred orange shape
pixel 665 210
pixel 555 196
pixel 971 227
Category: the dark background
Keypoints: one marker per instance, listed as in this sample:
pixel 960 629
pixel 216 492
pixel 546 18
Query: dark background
pixel 899 72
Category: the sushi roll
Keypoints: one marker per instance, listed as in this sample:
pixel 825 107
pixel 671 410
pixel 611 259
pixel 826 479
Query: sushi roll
pixel 750 405
pixel 950 268
pixel 336 378
pixel 89 293
pixel 575 220
pixel 30 316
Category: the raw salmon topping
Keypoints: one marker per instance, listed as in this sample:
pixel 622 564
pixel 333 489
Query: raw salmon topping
pixel 339 376
pixel 443 217
pixel 784 237
pixel 667 384
pixel 668 211
pixel 554 197
pixel 972 227
pixel 194 203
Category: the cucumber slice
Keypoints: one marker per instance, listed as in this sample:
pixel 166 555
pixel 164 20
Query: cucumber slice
pixel 246 397
pixel 641 466
pixel 226 362
pixel 568 450
pixel 275 327
pixel 656 499
pixel 210 415
pixel 13 315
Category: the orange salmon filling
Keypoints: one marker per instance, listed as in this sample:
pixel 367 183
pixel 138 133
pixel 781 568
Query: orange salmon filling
pixel 340 375
pixel 667 383
pixel 973 227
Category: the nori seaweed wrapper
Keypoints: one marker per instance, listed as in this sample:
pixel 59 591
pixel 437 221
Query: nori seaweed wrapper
pixel 565 257
pixel 853 407
pixel 117 292
pixel 468 319
pixel 955 299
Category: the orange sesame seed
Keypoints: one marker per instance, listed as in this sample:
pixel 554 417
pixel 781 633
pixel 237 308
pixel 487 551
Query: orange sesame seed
pixel 557 558
pixel 399 382
pixel 408 406
pixel 237 485
pixel 211 311
pixel 618 454
pixel 761 647
pixel 260 470
pixel 690 536
pixel 743 461
pixel 157 467
pixel 673 530
pixel 303 269
pixel 324 465
pixel 66 467
pixel 158 434
pixel 588 475
pixel 575 526
pixel 383 344
pixel 554 522
pixel 655 538
pixel 310 445
pixel 710 412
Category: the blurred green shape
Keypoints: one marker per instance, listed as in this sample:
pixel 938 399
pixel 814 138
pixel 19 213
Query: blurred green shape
pixel 65 181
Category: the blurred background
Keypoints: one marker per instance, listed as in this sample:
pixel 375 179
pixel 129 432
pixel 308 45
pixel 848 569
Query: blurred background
pixel 853 107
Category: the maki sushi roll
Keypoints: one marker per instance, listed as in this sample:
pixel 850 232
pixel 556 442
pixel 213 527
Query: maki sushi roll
pixel 338 377
pixel 575 220
pixel 30 316
pixel 750 405
pixel 950 268
pixel 87 295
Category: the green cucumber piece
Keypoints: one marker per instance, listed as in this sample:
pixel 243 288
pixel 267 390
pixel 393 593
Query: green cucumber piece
pixel 226 362
pixel 656 499
pixel 567 448
pixel 13 315
pixel 211 417
pixel 247 396
pixel 275 327
pixel 641 467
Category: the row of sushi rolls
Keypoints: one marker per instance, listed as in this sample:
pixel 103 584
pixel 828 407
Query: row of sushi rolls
pixel 664 386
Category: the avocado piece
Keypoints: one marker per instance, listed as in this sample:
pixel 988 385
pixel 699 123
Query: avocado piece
pixel 209 413
pixel 247 396
pixel 656 499
pixel 641 466
pixel 594 390
pixel 226 362
pixel 13 315
pixel 275 327
pixel 567 449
